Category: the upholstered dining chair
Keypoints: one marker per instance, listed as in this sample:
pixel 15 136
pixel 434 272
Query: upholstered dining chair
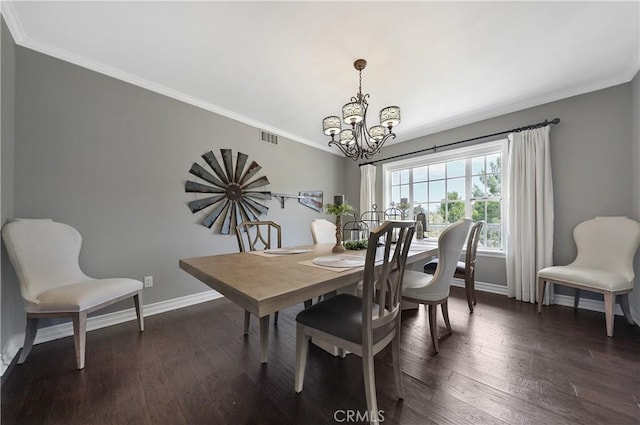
pixel 363 326
pixel 258 236
pixel 323 231
pixel 465 269
pixel 604 264
pixel 44 254
pixel 433 290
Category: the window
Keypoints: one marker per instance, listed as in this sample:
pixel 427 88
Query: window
pixel 448 186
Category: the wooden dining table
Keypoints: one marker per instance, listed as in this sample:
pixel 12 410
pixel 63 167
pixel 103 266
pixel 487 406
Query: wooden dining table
pixel 263 284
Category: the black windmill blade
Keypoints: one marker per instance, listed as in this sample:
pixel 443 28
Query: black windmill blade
pixel 227 160
pixel 251 171
pixel 200 204
pixel 262 181
pixel 251 216
pixel 193 187
pixel 226 224
pixel 256 206
pixel 213 216
pixel 199 171
pixel 240 163
pixel 210 159
pixel 258 194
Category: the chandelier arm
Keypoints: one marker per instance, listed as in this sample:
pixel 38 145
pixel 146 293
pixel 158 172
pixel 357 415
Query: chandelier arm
pixel 379 145
pixel 349 153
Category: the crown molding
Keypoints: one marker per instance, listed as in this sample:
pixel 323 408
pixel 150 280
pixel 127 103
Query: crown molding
pixel 23 40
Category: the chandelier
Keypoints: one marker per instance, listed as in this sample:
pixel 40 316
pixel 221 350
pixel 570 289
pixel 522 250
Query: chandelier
pixel 359 141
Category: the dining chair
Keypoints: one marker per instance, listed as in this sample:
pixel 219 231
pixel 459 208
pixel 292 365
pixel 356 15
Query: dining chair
pixel 433 290
pixel 45 254
pixel 258 236
pixel 604 264
pixel 366 325
pixel 465 269
pixel 323 231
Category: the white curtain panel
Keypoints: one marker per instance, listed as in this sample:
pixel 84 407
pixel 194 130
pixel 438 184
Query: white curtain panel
pixel 529 192
pixel 367 187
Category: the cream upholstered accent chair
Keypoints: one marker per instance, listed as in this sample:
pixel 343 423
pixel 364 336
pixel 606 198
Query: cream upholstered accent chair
pixel 323 231
pixel 363 326
pixel 465 269
pixel 433 290
pixel 44 254
pixel 604 264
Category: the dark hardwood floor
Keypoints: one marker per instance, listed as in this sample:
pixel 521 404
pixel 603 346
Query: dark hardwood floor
pixel 504 364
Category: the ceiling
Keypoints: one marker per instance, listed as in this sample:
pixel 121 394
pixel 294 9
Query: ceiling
pixel 283 66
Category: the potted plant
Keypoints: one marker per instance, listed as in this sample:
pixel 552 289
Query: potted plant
pixel 339 208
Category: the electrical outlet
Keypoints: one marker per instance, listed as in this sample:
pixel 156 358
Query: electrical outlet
pixel 148 281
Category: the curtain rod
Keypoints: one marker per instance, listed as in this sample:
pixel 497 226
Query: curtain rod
pixel 435 147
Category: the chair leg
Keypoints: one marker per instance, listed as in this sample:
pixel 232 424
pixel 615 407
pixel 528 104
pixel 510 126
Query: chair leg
pixel 433 328
pixel 370 385
pixel 608 311
pixel 247 320
pixel 624 303
pixel 137 301
pixel 275 319
pixel 302 346
pixel 576 298
pixel 541 285
pixel 395 354
pixel 29 337
pixel 79 336
pixel 445 315
pixel 308 303
pixel 468 287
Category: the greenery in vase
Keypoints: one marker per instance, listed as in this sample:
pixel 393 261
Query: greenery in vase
pixel 356 245
pixel 338 210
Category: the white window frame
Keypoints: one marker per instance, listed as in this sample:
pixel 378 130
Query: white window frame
pixel 445 156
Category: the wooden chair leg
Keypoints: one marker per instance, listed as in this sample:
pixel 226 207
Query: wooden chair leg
pixel 541 285
pixel 445 315
pixel 302 346
pixel 433 328
pixel 137 301
pixel 247 321
pixel 29 337
pixel 624 303
pixel 79 336
pixel 275 319
pixel 308 303
pixel 576 298
pixel 468 287
pixel 370 386
pixel 608 311
pixel 395 353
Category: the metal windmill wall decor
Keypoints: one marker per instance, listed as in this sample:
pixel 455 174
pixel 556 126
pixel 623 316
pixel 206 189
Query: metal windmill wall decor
pixel 234 197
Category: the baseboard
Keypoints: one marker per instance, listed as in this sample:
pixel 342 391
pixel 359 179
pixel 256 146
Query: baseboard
pixel 63 330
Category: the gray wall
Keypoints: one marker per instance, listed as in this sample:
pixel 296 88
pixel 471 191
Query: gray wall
pixel 591 159
pixel 12 320
pixel 635 127
pixel 111 159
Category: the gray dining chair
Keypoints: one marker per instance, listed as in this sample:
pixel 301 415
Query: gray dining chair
pixel 366 325
pixel 433 290
pixel 465 269
pixel 258 236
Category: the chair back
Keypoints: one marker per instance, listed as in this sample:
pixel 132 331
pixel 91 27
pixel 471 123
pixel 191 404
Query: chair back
pixel 323 231
pixel 44 254
pixel 383 273
pixel 607 243
pixel 450 245
pixel 472 245
pixel 258 235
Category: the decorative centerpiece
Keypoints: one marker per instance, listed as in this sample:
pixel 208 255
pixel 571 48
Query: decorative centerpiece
pixel 338 208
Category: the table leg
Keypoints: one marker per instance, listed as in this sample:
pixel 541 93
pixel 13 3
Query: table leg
pixel 264 338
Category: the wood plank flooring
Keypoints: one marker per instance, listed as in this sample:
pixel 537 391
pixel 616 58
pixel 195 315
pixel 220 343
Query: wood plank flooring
pixel 504 364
